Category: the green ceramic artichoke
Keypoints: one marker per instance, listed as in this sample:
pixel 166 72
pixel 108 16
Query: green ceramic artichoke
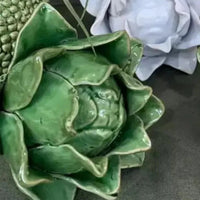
pixel 71 119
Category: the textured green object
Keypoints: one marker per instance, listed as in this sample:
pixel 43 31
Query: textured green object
pixel 71 119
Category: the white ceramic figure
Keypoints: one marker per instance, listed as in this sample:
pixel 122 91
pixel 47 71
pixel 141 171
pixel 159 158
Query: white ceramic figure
pixel 169 29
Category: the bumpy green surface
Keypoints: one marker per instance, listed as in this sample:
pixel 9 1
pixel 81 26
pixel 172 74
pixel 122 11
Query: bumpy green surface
pixel 71 119
pixel 14 14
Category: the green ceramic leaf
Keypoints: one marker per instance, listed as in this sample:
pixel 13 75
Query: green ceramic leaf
pixel 40 32
pixel 118 51
pixel 48 118
pixel 151 112
pixel 88 110
pixel 107 187
pixel 133 138
pixel 132 160
pixel 115 47
pixel 135 57
pixel 80 67
pixel 198 54
pixel 91 142
pixel 64 159
pixel 58 189
pixel 24 79
pixel 13 145
pixel 136 95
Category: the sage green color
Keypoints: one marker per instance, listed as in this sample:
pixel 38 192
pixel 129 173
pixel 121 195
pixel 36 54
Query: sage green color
pixel 72 119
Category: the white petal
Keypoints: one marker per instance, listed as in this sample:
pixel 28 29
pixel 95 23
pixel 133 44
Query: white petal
pixel 117 7
pixel 93 6
pixel 183 11
pixel 165 46
pixel 196 5
pixel 192 38
pixel 185 60
pixel 101 24
pixel 148 65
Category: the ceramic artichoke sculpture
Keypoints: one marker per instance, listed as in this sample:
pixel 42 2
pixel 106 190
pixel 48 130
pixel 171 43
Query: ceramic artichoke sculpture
pixel 72 119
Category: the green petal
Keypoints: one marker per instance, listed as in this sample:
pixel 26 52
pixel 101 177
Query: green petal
pixel 151 112
pixel 64 159
pixel 58 189
pixel 24 79
pixel 45 28
pixel 136 56
pixel 81 68
pixel 133 138
pixel 115 46
pixel 91 142
pixel 12 139
pixel 107 187
pixel 132 160
pixel 198 54
pixel 135 94
pixel 48 118
pixel 118 51
pixel 87 110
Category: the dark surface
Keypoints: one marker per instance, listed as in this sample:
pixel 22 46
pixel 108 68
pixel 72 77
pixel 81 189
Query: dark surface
pixel 172 167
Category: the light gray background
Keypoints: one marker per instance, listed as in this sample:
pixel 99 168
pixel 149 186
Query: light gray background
pixel 172 168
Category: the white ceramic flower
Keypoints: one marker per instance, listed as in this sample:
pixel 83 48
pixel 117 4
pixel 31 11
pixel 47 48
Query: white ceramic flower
pixel 170 29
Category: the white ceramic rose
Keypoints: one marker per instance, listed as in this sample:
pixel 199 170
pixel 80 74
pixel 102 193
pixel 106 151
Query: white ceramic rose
pixel 170 29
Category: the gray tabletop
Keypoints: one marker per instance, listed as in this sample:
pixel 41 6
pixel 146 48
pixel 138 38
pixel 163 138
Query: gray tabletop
pixel 172 167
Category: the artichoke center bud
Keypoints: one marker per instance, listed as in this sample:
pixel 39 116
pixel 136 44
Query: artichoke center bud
pixel 13 16
pixel 101 107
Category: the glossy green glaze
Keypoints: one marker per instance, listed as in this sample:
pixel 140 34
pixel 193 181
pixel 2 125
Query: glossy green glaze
pixel 71 119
